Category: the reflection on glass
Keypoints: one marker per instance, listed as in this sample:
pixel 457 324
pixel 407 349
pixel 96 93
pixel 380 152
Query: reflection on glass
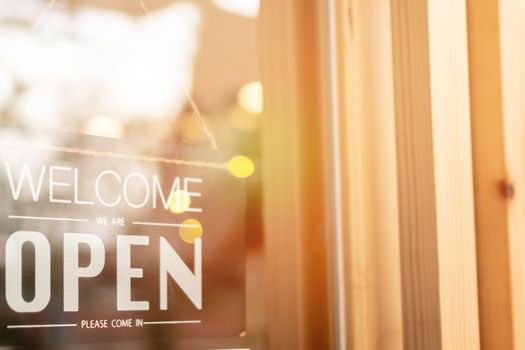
pixel 126 71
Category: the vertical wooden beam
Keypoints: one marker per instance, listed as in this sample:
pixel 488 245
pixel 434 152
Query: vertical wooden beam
pixel 512 34
pixel 370 198
pixel 373 32
pixel 318 226
pixel 417 202
pixel 490 175
pixel 453 174
pixel 434 176
pixel 281 229
pixel 297 218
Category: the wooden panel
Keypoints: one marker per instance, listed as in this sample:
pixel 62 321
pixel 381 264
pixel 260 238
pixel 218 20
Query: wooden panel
pixel 378 135
pixel 435 184
pixel 417 211
pixel 489 175
pixel 370 197
pixel 453 174
pixel 512 34
pixel 315 197
pixel 281 227
pixel 297 219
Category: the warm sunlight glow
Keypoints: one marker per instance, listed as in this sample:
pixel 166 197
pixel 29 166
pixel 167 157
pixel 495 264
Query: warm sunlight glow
pixel 246 8
pixel 104 126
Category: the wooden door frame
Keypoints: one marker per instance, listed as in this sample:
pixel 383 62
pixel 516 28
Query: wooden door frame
pixel 402 154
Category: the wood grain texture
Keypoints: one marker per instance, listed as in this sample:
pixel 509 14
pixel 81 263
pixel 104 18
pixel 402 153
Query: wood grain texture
pixel 453 174
pixel 417 200
pixel 491 208
pixel 360 244
pixel 371 221
pixel 436 215
pixel 512 34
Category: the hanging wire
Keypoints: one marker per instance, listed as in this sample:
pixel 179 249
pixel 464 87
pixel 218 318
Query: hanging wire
pixel 143 6
pixel 41 15
pixel 198 115
pixel 191 100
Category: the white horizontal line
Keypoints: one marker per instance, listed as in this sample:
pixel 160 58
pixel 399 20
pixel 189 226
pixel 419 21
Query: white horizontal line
pixel 162 224
pixel 42 325
pixel 172 322
pixel 45 218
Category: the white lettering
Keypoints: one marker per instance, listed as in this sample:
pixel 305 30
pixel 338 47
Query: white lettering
pixel 13 271
pixel 97 188
pixel 156 187
pixel 53 184
pixel 146 190
pixel 172 264
pixel 35 192
pixel 125 273
pixel 72 270
pixel 77 200
pixel 188 180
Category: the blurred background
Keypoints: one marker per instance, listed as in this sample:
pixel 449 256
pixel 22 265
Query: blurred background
pixel 125 68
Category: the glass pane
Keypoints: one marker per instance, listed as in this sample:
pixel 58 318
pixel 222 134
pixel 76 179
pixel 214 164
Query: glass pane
pixel 131 210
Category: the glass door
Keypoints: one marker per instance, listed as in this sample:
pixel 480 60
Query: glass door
pixel 130 175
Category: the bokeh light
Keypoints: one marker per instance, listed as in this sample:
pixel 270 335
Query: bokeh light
pixel 250 97
pixel 180 201
pixel 190 230
pixel 241 167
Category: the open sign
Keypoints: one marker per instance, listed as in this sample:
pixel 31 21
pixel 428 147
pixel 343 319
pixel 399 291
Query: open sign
pixel 101 245
pixel 171 266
